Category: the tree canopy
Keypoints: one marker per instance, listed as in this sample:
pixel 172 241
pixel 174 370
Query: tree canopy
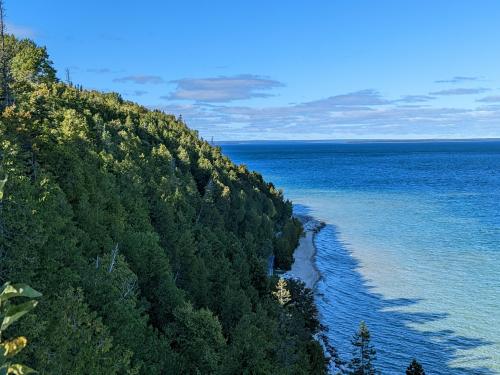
pixel 415 368
pixel 364 354
pixel 149 245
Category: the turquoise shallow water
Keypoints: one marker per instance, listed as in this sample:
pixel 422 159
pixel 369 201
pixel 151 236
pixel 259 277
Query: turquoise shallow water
pixel 411 246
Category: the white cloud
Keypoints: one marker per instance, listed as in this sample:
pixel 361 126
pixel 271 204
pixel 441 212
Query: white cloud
pixel 357 98
pixel 341 116
pixel 461 91
pixel 490 99
pixel 415 99
pixel 222 88
pixel 458 79
pixel 140 80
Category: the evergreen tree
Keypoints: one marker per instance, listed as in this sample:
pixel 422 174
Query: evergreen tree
pixel 415 368
pixel 149 245
pixel 197 335
pixel 363 353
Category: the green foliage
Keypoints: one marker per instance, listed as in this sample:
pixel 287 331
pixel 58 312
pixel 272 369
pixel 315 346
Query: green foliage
pixel 197 336
pixel 364 354
pixel 29 62
pixel 9 314
pixel 70 339
pixel 149 245
pixel 415 368
pixel 285 243
pixel 302 300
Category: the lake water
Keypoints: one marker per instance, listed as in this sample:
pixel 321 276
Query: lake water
pixel 411 246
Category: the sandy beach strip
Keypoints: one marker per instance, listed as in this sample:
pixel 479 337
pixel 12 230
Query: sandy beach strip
pixel 304 265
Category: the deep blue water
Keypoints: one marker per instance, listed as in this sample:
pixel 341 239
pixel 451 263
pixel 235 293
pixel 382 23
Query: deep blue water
pixel 411 246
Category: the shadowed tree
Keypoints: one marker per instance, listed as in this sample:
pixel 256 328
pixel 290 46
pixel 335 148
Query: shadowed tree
pixel 415 368
pixel 364 353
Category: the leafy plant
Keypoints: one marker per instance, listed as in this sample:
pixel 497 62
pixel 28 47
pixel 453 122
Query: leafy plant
pixel 10 313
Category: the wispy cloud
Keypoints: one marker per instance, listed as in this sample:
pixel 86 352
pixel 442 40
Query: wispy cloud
pixel 357 98
pixel 20 31
pixel 415 99
pixel 461 91
pixel 222 88
pixel 139 92
pixel 351 115
pixel 140 80
pixel 99 70
pixel 135 93
pixel 458 79
pixel 490 99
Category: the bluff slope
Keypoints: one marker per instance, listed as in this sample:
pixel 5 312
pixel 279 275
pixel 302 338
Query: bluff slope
pixel 148 244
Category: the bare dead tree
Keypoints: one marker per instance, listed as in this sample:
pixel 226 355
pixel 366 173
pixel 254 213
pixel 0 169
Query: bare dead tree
pixel 3 181
pixel 112 261
pixel 5 97
pixel 3 255
pixel 68 77
pixel 128 288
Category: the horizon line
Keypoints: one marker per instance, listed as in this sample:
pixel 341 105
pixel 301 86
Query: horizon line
pixel 361 140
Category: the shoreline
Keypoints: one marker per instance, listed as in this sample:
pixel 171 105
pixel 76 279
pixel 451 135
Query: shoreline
pixel 304 265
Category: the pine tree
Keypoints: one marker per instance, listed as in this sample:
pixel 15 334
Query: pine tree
pixel 364 353
pixel 180 296
pixel 415 368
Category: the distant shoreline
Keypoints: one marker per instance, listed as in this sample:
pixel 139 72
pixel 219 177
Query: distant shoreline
pixel 304 265
pixel 341 141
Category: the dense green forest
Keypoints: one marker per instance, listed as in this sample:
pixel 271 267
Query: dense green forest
pixel 149 246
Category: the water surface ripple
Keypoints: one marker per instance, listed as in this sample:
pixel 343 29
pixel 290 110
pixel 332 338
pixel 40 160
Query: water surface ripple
pixel 411 246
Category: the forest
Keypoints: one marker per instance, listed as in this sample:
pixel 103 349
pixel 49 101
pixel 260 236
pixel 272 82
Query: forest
pixel 145 249
pixel 149 247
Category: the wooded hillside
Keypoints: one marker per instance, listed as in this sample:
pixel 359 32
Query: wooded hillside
pixel 149 245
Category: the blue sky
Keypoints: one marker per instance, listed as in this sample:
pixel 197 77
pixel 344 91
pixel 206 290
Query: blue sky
pixel 285 69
